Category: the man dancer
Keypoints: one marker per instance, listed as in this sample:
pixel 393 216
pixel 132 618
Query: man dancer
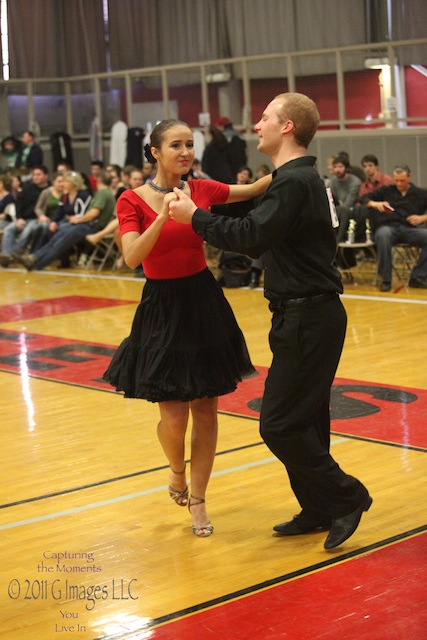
pixel 292 226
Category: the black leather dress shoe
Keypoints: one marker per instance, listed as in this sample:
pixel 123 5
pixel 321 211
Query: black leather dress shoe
pixel 385 286
pixel 299 525
pixel 343 528
pixel 418 283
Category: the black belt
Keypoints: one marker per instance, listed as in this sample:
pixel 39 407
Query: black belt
pixel 296 302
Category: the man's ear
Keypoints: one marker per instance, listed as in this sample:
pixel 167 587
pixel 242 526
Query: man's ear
pixel 288 126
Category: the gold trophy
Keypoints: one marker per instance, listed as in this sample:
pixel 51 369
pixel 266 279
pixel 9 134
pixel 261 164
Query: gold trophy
pixel 368 231
pixel 351 231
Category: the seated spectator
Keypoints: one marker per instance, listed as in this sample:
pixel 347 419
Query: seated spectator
pixel 6 198
pixel 244 175
pixel 135 181
pixel 30 154
pixel 63 167
pixel 353 169
pixel 345 189
pixel 74 202
pixel 263 170
pixel 87 185
pixel 374 178
pixel 10 148
pixel 126 173
pixel 196 171
pixel 76 197
pixel 148 171
pixel 345 186
pixel 16 185
pixel 330 168
pixel 75 228
pixel 117 185
pixel 399 211
pixel 96 167
pixel 46 207
pixel 17 234
pixel 114 167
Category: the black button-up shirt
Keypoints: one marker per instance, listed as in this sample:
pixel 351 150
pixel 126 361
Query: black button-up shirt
pixel 292 226
pixel 414 202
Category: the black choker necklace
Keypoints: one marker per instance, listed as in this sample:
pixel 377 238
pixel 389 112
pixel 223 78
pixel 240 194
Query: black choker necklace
pixel 164 189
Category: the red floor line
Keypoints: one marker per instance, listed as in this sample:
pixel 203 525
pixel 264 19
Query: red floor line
pixel 381 595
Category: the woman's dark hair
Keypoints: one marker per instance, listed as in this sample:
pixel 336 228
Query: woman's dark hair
pixel 149 156
pixel 7 182
pixel 86 183
pixel 158 134
pixel 248 169
pixel 117 168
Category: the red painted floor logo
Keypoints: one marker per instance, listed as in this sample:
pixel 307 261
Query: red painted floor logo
pixel 369 410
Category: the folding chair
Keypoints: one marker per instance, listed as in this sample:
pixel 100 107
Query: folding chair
pixel 104 252
pixel 404 257
pixel 366 260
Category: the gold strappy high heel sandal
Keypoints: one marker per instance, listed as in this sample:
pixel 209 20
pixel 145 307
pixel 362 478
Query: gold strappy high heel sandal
pixel 180 497
pixel 200 530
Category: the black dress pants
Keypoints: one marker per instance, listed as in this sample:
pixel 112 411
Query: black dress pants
pixel 306 341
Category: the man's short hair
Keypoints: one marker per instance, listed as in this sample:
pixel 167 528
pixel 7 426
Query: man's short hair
pixel 303 113
pixel 369 157
pixel 402 168
pixel 341 160
pixel 42 168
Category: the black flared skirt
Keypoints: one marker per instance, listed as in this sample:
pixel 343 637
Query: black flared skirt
pixel 184 344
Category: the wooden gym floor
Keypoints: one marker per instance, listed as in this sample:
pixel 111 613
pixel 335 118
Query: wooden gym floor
pixel 92 546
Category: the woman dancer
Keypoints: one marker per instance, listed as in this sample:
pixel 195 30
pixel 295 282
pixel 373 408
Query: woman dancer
pixel 185 347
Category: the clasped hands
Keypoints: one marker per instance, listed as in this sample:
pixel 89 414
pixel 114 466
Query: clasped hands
pixel 178 206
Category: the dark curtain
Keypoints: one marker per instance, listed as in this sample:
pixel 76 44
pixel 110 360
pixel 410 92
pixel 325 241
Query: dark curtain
pixel 63 38
pixel 408 22
pixel 133 34
pixel 293 25
pixel 56 38
pixel 1 53
pixel 146 33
